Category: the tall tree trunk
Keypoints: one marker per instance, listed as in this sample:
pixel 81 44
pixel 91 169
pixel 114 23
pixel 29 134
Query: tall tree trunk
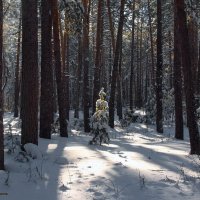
pixel 86 95
pixel 78 78
pixel 198 74
pixel 115 66
pixel 152 47
pixel 58 70
pixel 29 91
pixel 193 39
pixel 177 82
pixel 119 88
pixel 99 42
pixel 1 91
pixel 46 97
pixel 66 64
pixel 17 73
pixel 112 31
pixel 132 56
pixel 187 72
pixel 159 73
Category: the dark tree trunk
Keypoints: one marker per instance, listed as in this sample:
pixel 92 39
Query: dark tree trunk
pixel 46 98
pixel 132 56
pixel 86 95
pixel 99 42
pixel 115 66
pixel 58 70
pixel 198 75
pixel 111 26
pixel 152 48
pixel 1 91
pixel 78 78
pixel 187 72
pixel 29 91
pixel 159 74
pixel 119 88
pixel 17 73
pixel 177 83
pixel 66 64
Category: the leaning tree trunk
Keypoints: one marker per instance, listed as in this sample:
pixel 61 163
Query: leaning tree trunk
pixel 187 72
pixel 1 91
pixel 159 95
pixel 58 70
pixel 46 97
pixel 177 83
pixel 115 66
pixel 29 90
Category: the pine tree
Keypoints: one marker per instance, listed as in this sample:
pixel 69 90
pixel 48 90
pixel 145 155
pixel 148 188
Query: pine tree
pixel 46 98
pixel 29 91
pixel 1 91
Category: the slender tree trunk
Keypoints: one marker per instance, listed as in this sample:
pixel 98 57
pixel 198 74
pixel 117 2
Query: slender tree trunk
pixel 86 95
pixel 78 79
pixel 187 72
pixel 58 70
pixel 112 31
pixel 17 73
pixel 29 90
pixel 132 56
pixel 198 75
pixel 66 64
pixel 46 97
pixel 159 95
pixel 1 91
pixel 119 88
pixel 170 60
pixel 152 47
pixel 193 39
pixel 177 82
pixel 115 66
pixel 99 41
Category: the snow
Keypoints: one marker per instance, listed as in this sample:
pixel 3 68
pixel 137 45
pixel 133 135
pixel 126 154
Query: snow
pixel 137 164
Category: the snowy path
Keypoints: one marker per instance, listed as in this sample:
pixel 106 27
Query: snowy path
pixel 138 164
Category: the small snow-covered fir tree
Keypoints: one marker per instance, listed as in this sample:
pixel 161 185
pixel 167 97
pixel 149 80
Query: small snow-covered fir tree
pixel 99 121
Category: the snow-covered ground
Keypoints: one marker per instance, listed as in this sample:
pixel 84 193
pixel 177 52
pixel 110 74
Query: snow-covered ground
pixel 138 164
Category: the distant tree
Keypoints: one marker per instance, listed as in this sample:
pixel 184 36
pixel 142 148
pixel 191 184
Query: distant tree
pixel 159 73
pixel 46 97
pixel 115 65
pixel 187 72
pixel 29 90
pixel 1 91
pixel 61 92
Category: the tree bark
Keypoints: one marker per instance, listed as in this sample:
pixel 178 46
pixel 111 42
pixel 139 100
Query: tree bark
pixel 132 56
pixel 29 91
pixel 98 63
pixel 187 72
pixel 115 66
pixel 17 73
pixel 159 74
pixel 177 82
pixel 58 70
pixel 86 96
pixel 46 97
pixel 1 91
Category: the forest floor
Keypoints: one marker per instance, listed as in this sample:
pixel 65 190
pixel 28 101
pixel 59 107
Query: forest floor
pixel 138 164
